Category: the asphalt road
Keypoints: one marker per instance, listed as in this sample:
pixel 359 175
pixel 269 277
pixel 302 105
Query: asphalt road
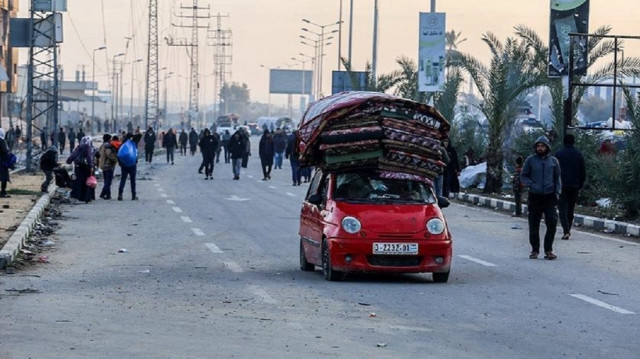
pixel 210 270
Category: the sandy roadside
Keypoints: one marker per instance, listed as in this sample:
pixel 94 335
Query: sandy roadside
pixel 25 191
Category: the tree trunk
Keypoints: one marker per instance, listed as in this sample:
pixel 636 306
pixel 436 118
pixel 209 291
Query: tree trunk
pixel 494 170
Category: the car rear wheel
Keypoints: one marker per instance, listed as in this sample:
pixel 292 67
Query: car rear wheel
pixel 304 265
pixel 441 277
pixel 327 268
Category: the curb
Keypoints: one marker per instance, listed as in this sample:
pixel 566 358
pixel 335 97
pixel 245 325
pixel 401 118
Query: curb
pixel 599 224
pixel 18 239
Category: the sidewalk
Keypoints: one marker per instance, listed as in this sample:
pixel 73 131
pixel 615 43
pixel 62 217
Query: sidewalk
pixel 595 223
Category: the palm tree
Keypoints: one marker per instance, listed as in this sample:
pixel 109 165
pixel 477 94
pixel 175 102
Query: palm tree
pixel 383 83
pixel 453 39
pixel 511 75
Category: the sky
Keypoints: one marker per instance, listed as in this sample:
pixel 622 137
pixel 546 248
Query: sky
pixel 266 35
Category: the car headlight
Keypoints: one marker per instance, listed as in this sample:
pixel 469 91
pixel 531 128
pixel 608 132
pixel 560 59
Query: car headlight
pixel 435 226
pixel 351 225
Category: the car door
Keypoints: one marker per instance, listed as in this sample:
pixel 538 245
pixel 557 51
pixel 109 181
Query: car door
pixel 311 227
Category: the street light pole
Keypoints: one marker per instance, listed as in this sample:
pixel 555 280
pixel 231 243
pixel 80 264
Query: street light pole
pixel 93 83
pixel 321 39
pixel 131 99
pixel 114 93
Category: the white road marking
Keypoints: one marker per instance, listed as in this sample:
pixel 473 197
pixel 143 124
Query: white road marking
pixel 197 231
pixel 611 239
pixel 157 184
pixel 290 194
pixel 262 294
pixel 234 267
pixel 164 195
pixel 479 261
pixel 170 201
pixel 160 189
pixel 186 219
pixel 213 248
pixel 273 187
pixel 236 198
pixel 601 304
pixel 177 209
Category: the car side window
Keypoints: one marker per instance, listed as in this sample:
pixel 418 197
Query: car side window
pixel 315 184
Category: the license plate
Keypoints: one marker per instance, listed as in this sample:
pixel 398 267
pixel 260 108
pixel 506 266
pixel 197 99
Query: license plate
pixel 395 248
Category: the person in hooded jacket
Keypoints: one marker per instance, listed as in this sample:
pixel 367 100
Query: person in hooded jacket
pixel 82 159
pixel 541 174
pixel 208 146
pixel 107 162
pixel 193 141
pixel 48 162
pixel 149 144
pixel 183 139
pixel 266 151
pixel 237 149
pixel 169 142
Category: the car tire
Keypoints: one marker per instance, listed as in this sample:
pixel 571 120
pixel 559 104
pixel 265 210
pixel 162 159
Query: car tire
pixel 441 277
pixel 327 268
pixel 304 265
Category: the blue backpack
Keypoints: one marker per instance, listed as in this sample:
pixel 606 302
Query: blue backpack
pixel 10 161
pixel 128 154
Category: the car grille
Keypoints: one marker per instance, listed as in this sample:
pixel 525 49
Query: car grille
pixel 394 261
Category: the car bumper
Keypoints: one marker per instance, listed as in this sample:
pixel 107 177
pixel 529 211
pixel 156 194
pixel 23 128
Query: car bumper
pixel 356 255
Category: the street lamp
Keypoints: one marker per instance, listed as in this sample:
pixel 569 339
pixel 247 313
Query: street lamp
pixel 131 99
pixel 321 39
pixel 302 91
pixel 93 82
pixel 164 80
pixel 114 96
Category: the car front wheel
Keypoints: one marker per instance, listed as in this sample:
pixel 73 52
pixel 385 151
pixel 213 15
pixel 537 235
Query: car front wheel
pixel 327 268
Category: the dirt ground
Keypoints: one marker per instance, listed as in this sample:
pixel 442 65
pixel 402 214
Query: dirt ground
pixel 24 190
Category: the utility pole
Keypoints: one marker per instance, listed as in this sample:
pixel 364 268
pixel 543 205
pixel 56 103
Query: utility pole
pixel 152 91
pixel 194 85
pixel 222 60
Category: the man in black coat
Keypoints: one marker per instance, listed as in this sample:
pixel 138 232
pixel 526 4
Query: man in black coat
pixel 72 140
pixel 193 141
pixel 208 146
pixel 149 144
pixel 62 140
pixel 573 175
pixel 169 142
pixel 237 149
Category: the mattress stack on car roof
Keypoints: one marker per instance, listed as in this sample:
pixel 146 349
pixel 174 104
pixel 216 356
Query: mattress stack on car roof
pixel 397 137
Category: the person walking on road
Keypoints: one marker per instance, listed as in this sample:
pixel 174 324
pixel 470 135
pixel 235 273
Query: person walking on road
pixel 208 146
pixel 128 170
pixel 573 177
pixel 237 148
pixel 149 144
pixel 183 139
pixel 266 152
pixel 293 154
pixel 107 162
pixel 169 142
pixel 541 174
pixel 225 144
pixel 82 159
pixel 193 141
pixel 62 140
pixel 279 146
pixel 72 140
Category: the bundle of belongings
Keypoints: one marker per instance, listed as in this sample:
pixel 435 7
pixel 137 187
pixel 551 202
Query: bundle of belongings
pixel 62 178
pixel 396 137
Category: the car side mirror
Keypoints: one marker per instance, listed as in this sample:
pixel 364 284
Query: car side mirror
pixel 315 199
pixel 443 202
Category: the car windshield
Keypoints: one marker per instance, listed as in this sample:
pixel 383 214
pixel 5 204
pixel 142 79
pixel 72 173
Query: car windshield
pixel 369 187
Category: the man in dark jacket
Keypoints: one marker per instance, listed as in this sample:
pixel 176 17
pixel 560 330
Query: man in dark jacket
pixel 193 141
pixel 293 154
pixel 573 177
pixel 149 144
pixel 48 162
pixel 541 174
pixel 169 142
pixel 183 139
pixel 62 140
pixel 279 146
pixel 208 146
pixel 265 150
pixel 237 149
pixel 72 140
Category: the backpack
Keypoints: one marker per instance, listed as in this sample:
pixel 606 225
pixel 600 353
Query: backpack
pixel 10 161
pixel 128 154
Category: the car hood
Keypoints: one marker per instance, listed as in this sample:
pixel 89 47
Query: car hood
pixel 390 218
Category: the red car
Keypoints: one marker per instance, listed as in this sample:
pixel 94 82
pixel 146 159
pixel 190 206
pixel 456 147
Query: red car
pixel 359 222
